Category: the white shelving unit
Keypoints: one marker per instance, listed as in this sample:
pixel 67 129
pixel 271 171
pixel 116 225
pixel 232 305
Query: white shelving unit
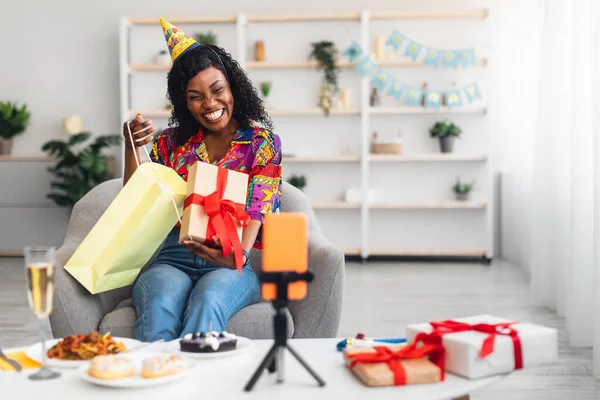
pixel 368 169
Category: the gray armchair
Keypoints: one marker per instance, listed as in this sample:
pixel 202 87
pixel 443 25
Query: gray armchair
pixel 77 311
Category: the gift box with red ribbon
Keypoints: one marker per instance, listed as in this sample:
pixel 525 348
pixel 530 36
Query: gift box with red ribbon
pixel 215 206
pixel 396 365
pixel 485 345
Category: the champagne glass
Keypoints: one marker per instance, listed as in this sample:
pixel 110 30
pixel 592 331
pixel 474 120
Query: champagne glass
pixel 39 268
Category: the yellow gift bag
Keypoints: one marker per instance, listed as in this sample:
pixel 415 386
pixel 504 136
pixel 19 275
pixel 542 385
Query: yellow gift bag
pixel 130 230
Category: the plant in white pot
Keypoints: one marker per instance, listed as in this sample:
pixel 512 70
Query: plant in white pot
pixel 462 190
pixel 265 90
pixel 445 132
pixel 13 122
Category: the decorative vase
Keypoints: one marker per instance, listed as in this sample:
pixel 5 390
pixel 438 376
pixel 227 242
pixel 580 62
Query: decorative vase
pixel 5 147
pixel 446 144
pixel 374 100
pixel 259 51
pixel 462 196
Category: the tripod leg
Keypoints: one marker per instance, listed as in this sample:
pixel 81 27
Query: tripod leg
pixel 268 359
pixel 306 366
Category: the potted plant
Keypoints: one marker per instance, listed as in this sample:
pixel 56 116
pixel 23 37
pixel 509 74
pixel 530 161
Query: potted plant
pixel 13 122
pixel 326 54
pixel 298 181
pixel 446 132
pixel 206 38
pixel 462 190
pixel 265 89
pixel 78 169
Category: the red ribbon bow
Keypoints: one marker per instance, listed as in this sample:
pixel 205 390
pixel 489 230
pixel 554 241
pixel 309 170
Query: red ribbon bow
pixel 384 354
pixel 445 327
pixel 221 215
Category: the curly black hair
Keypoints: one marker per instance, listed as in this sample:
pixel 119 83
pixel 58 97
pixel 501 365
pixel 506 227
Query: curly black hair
pixel 248 106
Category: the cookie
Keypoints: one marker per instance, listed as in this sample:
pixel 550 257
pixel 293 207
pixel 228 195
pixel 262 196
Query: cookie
pixel 163 365
pixel 110 367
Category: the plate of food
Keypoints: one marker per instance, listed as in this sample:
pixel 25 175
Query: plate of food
pixel 135 370
pixel 208 345
pixel 75 350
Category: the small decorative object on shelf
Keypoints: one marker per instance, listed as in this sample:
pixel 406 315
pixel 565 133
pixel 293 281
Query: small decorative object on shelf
pixel 446 132
pixel 374 99
pixel 298 181
pixel 379 48
pixel 72 124
pixel 13 122
pixel 462 190
pixel 206 38
pixel 265 89
pixel 394 147
pixel 162 58
pixel 344 99
pixel 326 54
pixel 425 86
pixel 259 51
pixel 78 171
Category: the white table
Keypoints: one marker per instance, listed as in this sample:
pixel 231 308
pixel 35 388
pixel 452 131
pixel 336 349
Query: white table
pixel 225 379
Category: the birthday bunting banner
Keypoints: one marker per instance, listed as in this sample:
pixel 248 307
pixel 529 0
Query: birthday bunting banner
pixel 416 96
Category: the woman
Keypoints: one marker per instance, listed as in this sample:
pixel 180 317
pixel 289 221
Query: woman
pixel 191 287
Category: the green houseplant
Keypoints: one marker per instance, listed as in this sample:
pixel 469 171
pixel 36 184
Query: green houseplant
pixel 446 132
pixel 462 190
pixel 13 122
pixel 326 54
pixel 298 181
pixel 206 38
pixel 265 89
pixel 79 168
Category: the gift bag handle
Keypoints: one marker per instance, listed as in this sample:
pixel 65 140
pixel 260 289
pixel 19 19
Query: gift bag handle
pixel 138 161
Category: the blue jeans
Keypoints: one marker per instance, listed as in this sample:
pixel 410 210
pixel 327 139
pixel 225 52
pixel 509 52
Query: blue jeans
pixel 180 293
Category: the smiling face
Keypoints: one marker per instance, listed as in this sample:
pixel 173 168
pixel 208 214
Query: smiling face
pixel 209 99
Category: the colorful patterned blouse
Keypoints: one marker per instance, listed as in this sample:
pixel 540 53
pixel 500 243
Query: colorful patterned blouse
pixel 254 151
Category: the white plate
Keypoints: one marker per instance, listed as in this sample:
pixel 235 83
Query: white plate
pixel 35 353
pixel 136 380
pixel 243 344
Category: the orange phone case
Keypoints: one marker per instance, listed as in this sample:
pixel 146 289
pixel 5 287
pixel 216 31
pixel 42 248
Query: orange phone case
pixel 285 249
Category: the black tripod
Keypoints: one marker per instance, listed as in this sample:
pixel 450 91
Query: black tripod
pixel 274 358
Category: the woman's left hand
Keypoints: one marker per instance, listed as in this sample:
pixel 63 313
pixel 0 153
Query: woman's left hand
pixel 212 255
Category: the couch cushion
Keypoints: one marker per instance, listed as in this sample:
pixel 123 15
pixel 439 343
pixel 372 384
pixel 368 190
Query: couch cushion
pixel 253 322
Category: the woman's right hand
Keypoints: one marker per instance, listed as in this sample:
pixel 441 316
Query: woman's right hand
pixel 141 131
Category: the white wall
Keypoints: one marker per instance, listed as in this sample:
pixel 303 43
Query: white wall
pixel 64 61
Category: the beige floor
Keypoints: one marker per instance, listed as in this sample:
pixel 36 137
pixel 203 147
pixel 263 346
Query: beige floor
pixel 381 298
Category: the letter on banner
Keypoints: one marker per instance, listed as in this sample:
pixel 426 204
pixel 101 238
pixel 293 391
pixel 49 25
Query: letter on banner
pixel 453 98
pixel 395 40
pixel 472 92
pixel 450 59
pixel 353 52
pixel 380 80
pixel 432 57
pixel 414 96
pixel 433 99
pixel 467 57
pixel 396 89
pixel 413 50
pixel 365 65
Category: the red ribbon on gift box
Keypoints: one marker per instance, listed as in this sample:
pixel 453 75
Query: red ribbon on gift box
pixel 221 215
pixel 441 328
pixel 383 354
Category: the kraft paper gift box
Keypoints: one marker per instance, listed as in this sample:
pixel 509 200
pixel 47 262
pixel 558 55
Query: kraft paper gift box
pixel 484 345
pixel 215 205
pixel 395 365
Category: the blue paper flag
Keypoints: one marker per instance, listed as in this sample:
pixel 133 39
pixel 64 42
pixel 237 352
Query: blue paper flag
pixel 450 59
pixel 395 40
pixel 414 96
pixel 433 99
pixel 432 57
pixel 380 80
pixel 413 50
pixel 467 57
pixel 453 98
pixel 353 52
pixel 396 89
pixel 472 92
pixel 366 65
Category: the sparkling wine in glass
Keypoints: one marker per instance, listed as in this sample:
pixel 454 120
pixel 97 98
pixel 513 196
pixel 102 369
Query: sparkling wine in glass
pixel 39 269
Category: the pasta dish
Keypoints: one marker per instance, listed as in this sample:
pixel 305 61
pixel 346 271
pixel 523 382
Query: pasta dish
pixel 85 347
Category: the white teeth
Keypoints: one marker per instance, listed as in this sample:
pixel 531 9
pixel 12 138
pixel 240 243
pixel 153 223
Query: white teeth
pixel 214 115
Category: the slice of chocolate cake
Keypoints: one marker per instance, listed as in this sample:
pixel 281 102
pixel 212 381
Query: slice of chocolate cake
pixel 208 342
